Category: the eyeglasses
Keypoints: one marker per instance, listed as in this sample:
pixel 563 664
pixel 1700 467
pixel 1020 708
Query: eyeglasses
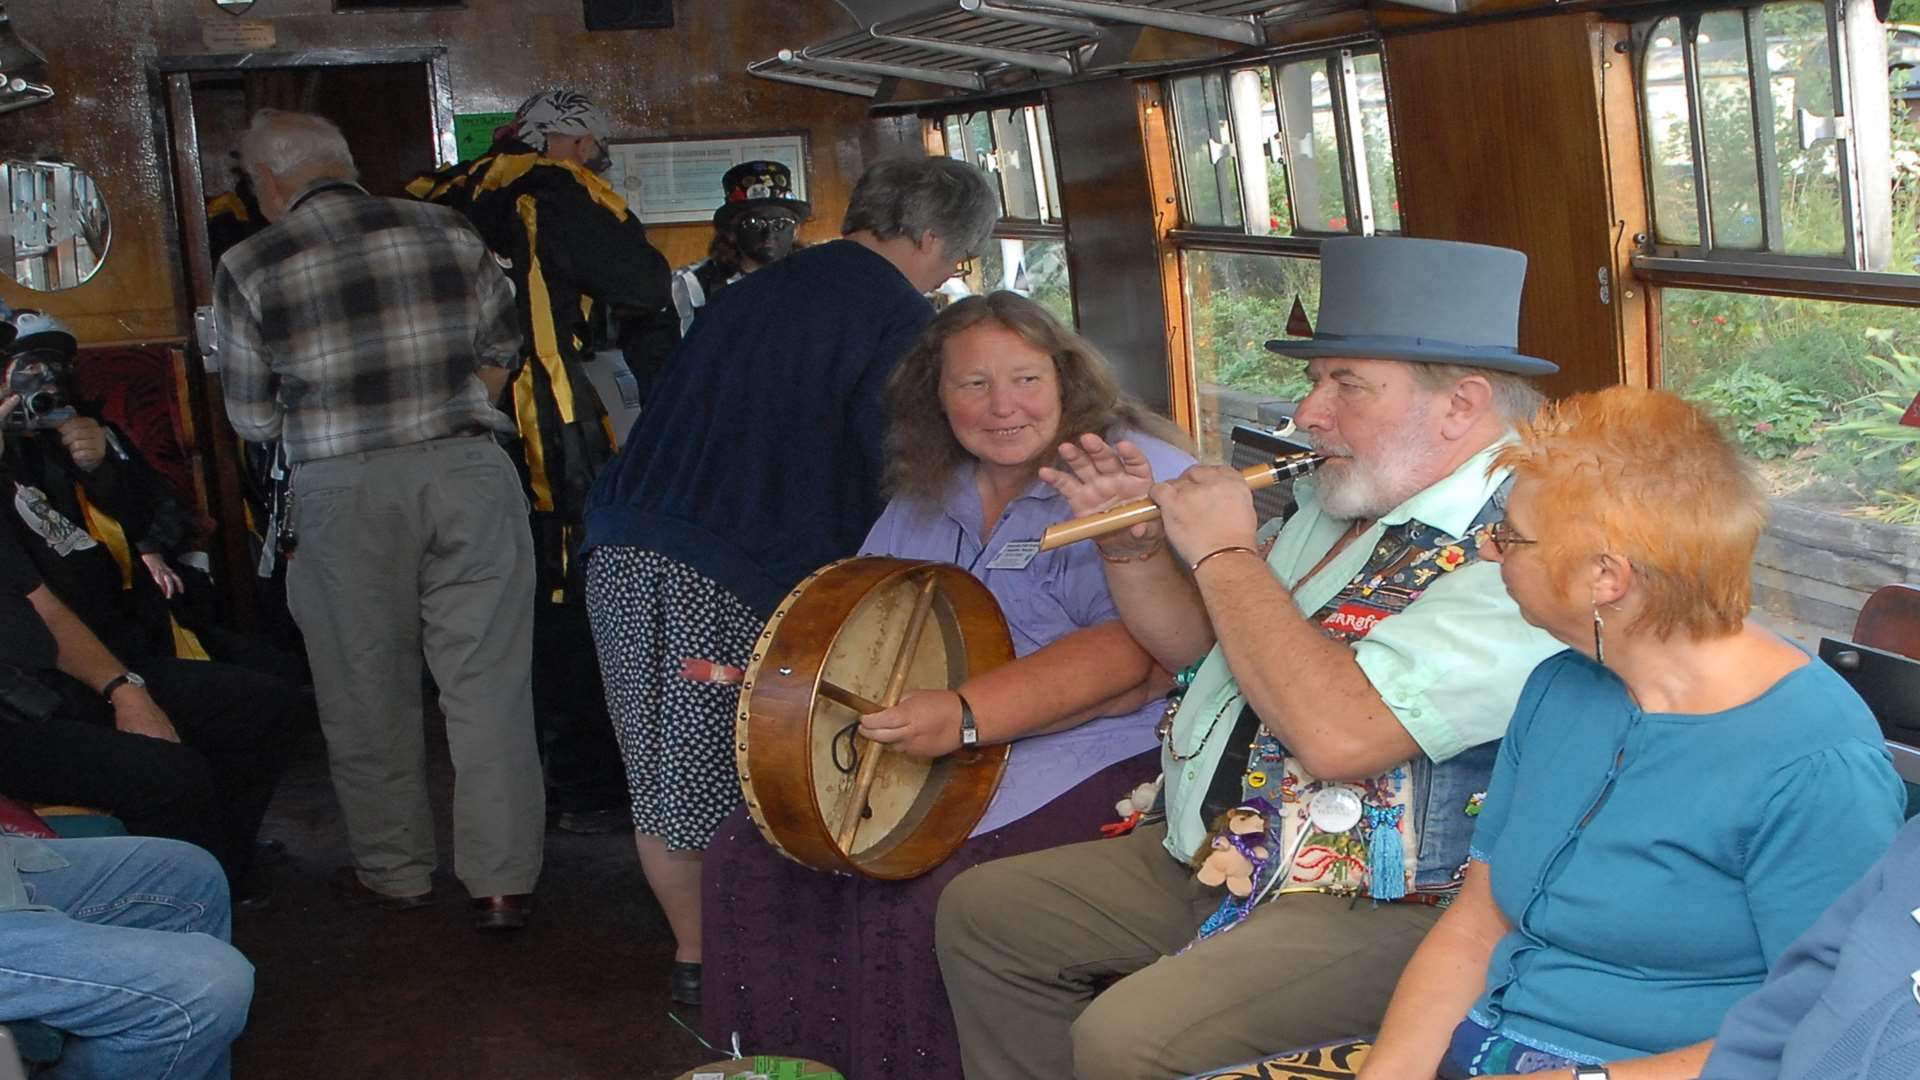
pixel 1503 536
pixel 775 224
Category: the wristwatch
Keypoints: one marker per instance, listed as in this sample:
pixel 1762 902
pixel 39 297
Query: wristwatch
pixel 125 678
pixel 969 732
pixel 1591 1072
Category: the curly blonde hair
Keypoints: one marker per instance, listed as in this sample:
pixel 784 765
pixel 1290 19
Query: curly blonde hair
pixel 922 452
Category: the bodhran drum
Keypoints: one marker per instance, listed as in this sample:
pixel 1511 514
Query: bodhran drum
pixel 855 637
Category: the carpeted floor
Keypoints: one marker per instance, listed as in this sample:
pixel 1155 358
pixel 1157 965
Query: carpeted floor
pixel 358 992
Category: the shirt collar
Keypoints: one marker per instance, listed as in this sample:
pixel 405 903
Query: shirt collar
pixel 1449 505
pixel 317 187
pixel 962 502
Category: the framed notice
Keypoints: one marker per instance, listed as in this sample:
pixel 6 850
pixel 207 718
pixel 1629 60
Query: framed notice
pixel 667 181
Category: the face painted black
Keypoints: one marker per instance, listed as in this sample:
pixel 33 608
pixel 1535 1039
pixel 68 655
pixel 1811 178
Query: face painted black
pixel 766 235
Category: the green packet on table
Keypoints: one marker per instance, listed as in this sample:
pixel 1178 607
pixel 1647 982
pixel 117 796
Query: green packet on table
pixel 766 1068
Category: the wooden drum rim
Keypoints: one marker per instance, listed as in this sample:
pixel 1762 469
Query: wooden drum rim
pixel 773 728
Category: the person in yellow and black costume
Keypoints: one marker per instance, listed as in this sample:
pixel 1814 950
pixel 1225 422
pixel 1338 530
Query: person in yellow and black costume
pixel 574 251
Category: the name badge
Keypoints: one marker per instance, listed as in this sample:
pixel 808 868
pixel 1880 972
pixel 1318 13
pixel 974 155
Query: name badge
pixel 1016 555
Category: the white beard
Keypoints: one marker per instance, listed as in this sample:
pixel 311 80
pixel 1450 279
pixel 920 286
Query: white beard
pixel 1350 489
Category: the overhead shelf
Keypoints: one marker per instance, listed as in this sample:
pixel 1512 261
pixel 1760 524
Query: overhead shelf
pixel 971 45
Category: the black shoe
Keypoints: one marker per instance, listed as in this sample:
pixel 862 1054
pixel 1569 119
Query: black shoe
pixel 253 900
pixel 683 984
pixel 593 822
pixel 269 852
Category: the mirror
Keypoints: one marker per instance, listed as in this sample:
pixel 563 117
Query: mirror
pixel 54 231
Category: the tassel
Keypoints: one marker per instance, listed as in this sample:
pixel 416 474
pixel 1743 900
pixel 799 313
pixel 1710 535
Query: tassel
pixel 1386 857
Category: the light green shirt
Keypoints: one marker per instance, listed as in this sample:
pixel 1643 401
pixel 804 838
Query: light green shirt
pixel 1450 666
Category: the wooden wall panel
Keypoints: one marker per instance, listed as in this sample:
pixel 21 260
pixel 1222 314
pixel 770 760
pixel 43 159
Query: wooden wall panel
pixel 1523 164
pixel 1110 231
pixel 689 80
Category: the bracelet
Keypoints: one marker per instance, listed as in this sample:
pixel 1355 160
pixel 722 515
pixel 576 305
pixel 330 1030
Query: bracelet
pixel 1158 543
pixel 1202 560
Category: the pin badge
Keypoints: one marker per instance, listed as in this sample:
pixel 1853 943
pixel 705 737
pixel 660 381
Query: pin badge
pixel 1335 809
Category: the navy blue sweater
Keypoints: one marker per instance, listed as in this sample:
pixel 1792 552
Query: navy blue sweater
pixel 758 457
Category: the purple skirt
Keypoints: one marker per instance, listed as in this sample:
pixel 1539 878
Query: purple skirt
pixel 841 969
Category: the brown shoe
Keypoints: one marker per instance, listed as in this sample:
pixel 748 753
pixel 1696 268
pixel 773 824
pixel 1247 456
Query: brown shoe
pixel 347 885
pixel 502 912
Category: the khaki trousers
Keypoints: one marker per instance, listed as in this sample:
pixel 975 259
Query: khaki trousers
pixel 423 551
pixel 1027 943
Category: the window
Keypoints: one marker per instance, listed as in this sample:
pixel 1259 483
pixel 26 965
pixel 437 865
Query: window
pixel 1269 159
pixel 1029 252
pixel 1291 148
pixel 1748 114
pixel 1768 137
pixel 1236 303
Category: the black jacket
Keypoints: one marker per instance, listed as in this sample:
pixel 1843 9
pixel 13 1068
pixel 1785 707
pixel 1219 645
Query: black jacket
pixel 571 247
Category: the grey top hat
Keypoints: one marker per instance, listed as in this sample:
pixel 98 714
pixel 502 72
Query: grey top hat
pixel 1431 301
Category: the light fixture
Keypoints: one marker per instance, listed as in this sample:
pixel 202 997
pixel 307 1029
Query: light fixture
pixel 21 66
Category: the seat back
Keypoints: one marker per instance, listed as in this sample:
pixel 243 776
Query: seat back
pixel 1882 664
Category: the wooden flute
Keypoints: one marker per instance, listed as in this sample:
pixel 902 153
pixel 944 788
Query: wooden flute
pixel 1264 475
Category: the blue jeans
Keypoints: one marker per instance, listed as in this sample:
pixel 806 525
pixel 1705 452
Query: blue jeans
pixel 134 961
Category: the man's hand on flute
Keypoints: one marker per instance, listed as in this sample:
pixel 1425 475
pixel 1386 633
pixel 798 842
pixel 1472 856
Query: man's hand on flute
pixel 1207 508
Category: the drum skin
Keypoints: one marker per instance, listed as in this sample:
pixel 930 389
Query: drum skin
pixel 844 627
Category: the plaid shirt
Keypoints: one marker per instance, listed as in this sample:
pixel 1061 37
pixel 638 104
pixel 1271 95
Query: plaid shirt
pixel 358 323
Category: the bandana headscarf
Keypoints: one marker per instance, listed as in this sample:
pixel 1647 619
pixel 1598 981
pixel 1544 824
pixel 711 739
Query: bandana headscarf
pixel 558 112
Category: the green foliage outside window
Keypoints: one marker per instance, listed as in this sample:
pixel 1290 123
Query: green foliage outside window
pixel 1806 386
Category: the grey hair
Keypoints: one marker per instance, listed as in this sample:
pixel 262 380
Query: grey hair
pixel 287 142
pixel 1514 397
pixel 911 196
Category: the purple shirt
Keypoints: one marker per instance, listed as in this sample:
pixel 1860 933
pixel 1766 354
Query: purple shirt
pixel 1059 592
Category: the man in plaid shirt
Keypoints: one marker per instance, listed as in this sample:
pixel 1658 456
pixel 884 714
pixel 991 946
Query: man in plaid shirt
pixel 372 336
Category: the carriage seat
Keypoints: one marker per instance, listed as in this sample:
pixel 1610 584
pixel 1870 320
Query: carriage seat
pixel 1882 664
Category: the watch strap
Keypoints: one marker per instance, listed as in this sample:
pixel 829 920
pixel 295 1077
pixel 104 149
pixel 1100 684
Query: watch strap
pixel 969 731
pixel 125 678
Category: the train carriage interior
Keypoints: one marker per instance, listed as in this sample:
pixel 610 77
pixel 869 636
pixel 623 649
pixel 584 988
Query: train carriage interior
pixel 1715 199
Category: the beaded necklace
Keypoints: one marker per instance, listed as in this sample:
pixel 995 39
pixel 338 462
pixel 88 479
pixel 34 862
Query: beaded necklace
pixel 1164 730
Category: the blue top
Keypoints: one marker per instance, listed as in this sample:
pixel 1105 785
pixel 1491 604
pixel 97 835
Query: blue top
pixel 1060 591
pixel 758 457
pixel 1839 1005
pixel 1659 862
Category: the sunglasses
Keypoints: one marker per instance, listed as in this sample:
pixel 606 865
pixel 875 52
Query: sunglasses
pixel 1503 536
pixel 773 224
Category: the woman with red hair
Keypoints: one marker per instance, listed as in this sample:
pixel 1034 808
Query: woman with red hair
pixel 1681 793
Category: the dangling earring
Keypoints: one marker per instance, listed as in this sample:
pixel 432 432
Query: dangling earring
pixel 1599 649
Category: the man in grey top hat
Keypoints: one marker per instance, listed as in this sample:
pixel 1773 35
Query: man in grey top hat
pixel 1345 687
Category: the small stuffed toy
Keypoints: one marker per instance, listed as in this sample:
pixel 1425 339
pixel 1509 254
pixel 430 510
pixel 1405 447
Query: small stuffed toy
pixel 1238 851
pixel 1137 804
pixel 1238 856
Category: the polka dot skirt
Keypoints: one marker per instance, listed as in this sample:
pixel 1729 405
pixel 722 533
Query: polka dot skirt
pixel 649 613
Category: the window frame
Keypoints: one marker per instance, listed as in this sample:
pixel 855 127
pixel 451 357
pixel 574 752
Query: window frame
pixel 1769 271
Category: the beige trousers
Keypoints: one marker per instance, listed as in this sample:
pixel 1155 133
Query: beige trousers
pixel 411 552
pixel 1027 943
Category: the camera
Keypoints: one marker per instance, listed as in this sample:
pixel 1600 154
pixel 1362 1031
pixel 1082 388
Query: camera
pixel 40 385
